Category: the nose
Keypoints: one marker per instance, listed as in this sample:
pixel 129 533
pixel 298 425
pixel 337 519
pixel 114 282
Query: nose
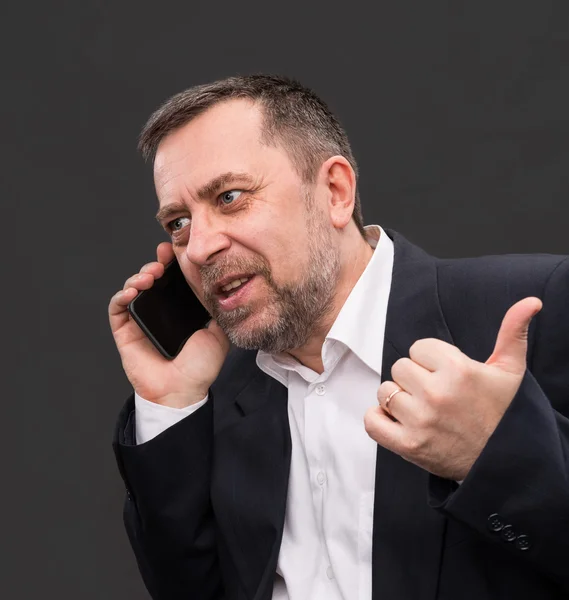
pixel 207 240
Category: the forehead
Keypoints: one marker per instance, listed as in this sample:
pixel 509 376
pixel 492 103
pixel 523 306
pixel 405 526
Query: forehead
pixel 224 138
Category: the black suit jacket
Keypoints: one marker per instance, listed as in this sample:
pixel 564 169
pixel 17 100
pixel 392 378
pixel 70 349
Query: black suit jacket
pixel 206 498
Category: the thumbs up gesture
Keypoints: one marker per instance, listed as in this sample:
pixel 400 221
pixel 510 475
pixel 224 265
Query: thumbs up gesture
pixel 442 407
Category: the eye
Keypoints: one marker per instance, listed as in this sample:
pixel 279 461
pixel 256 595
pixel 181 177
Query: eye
pixel 230 196
pixel 178 224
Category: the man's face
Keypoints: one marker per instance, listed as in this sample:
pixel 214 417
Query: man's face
pixel 253 241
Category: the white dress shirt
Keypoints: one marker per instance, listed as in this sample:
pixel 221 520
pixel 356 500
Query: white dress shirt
pixel 326 548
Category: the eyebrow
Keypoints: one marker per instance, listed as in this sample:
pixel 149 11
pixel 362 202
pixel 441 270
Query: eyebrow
pixel 214 186
pixel 207 190
pixel 169 210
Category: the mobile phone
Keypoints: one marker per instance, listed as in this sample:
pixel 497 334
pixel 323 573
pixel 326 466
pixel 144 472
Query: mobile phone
pixel 169 312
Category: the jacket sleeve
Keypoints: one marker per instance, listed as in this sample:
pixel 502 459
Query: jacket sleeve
pixel 517 493
pixel 167 513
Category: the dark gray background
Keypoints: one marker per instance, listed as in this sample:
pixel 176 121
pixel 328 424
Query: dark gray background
pixel 457 112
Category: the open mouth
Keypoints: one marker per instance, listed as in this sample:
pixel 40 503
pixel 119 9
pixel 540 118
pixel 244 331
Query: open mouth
pixel 235 292
pixel 233 286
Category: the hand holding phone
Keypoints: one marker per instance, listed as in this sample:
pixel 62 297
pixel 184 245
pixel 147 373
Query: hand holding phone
pixel 183 379
pixel 169 312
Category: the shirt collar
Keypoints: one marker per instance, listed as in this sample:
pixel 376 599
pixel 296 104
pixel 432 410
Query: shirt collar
pixel 360 324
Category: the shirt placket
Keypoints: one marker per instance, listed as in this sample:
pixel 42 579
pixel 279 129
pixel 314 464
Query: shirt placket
pixel 319 460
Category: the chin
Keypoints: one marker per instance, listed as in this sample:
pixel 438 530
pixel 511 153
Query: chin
pixel 251 325
pixel 253 333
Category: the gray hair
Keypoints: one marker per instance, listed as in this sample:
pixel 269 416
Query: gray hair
pixel 292 115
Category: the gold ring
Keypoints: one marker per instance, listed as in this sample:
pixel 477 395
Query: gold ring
pixel 388 399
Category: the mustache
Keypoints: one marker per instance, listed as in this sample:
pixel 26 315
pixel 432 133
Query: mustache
pixel 211 274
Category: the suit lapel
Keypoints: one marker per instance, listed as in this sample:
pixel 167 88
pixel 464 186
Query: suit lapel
pixel 249 486
pixel 250 482
pixel 407 535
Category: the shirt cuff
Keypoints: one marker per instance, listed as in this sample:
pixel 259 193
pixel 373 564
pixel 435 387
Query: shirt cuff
pixel 151 419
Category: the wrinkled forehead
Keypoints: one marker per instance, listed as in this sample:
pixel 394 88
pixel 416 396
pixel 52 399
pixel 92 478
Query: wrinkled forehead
pixel 225 137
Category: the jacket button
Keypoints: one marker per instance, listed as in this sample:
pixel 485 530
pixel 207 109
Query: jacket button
pixel 523 542
pixel 508 533
pixel 495 523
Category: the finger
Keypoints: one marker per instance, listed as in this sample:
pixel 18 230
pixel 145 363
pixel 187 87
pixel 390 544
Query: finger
pixel 156 269
pixel 383 430
pixel 140 281
pixel 410 376
pixel 512 341
pixel 394 400
pixel 432 354
pixel 219 334
pixel 165 253
pixel 118 308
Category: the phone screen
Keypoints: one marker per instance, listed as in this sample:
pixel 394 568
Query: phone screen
pixel 169 312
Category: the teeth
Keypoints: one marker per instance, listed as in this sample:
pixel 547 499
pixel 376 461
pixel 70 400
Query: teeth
pixel 234 284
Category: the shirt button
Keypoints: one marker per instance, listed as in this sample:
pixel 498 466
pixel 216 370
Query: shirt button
pixel 321 477
pixel 330 572
pixel 321 390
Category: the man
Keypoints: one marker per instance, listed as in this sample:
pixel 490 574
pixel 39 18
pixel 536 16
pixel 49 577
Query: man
pixel 386 424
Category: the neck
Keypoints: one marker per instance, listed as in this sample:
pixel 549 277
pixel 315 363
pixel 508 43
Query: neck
pixel 310 355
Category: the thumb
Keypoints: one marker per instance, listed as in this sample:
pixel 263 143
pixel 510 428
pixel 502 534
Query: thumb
pixel 512 341
pixel 219 335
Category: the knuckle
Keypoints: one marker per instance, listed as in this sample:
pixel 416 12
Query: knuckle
pixel 414 445
pixel 139 280
pixel 368 420
pixel 425 347
pixel 419 345
pixel 115 304
pixel 371 424
pixel 462 371
pixel 152 268
pixel 428 419
pixel 440 397
pixel 415 347
pixel 432 392
pixel 400 367
pixel 383 390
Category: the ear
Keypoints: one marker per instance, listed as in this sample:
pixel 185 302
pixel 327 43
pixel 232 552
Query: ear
pixel 337 175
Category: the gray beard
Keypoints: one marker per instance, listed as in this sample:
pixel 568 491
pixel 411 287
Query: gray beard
pixel 295 311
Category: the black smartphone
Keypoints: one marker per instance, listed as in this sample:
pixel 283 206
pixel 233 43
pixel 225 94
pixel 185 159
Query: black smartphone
pixel 169 312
